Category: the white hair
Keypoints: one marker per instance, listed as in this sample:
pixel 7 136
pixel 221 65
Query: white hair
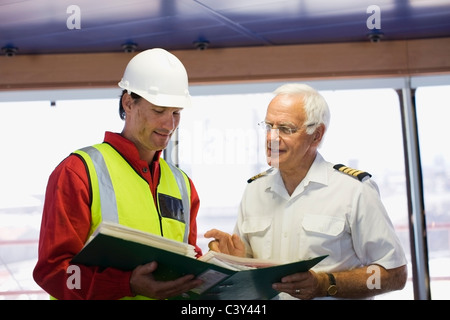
pixel 315 105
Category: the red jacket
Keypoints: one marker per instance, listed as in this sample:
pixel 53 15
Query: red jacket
pixel 66 221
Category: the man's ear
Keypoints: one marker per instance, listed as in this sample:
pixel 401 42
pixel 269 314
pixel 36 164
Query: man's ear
pixel 127 101
pixel 318 134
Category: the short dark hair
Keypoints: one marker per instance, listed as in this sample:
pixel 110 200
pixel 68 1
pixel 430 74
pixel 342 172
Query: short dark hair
pixel 121 110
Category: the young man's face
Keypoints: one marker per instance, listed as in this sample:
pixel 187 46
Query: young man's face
pixel 151 126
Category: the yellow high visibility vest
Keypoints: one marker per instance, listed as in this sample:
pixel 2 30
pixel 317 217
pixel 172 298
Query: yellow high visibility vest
pixel 121 195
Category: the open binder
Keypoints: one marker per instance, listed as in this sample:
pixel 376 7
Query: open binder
pixel 225 277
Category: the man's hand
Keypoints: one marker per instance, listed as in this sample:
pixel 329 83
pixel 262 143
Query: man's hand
pixel 225 243
pixel 143 283
pixel 302 285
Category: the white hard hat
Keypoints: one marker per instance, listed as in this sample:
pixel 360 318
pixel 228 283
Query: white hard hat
pixel 159 77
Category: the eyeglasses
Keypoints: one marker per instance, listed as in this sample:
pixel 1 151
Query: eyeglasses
pixel 283 130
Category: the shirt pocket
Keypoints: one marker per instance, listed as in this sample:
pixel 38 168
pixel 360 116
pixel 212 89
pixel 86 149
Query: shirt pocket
pixel 258 232
pixel 257 226
pixel 323 234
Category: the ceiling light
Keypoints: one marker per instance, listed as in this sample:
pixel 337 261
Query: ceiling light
pixel 9 51
pixel 201 45
pixel 129 47
pixel 375 35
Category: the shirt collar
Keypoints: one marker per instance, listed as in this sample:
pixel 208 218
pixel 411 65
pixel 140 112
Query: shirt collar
pixel 317 173
pixel 127 149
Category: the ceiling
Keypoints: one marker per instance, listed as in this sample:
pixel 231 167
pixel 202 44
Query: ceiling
pixel 41 26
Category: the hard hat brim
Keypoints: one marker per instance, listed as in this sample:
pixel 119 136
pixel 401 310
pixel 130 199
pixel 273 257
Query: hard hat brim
pixel 164 100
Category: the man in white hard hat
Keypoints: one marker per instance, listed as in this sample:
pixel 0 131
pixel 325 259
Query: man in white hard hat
pixel 143 190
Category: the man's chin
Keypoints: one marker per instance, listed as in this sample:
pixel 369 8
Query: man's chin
pixel 160 146
pixel 162 142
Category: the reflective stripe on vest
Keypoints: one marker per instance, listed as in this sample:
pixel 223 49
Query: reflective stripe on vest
pixel 104 197
pixel 185 197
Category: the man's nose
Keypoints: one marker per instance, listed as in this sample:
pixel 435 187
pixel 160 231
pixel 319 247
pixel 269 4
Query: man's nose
pixel 273 134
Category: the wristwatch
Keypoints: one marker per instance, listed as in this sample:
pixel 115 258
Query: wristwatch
pixel 332 289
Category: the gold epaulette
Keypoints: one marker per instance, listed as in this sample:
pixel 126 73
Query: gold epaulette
pixel 259 175
pixel 361 175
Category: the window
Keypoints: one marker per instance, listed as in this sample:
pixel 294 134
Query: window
pixel 220 147
pixel 432 115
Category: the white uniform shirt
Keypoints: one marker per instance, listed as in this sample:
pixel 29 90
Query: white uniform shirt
pixel 329 213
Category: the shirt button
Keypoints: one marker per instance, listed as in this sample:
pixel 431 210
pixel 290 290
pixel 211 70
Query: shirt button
pixel 144 169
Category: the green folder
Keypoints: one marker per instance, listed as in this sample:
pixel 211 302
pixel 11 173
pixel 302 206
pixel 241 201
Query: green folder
pixel 220 283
